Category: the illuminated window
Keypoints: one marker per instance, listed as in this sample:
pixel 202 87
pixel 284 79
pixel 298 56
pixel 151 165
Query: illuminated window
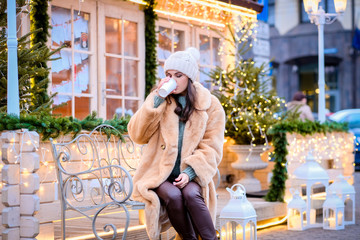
pixel 172 37
pixel 102 65
pixel 71 72
pixel 209 44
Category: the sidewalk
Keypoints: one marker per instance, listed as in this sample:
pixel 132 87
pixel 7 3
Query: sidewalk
pixel 351 232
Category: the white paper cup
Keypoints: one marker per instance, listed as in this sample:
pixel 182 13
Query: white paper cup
pixel 167 88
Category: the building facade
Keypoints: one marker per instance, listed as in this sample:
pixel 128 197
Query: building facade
pixel 294 53
pixel 102 67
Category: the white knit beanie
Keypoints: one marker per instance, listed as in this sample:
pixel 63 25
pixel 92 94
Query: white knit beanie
pixel 185 62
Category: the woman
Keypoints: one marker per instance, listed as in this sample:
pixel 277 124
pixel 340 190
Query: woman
pixel 184 134
pixel 299 104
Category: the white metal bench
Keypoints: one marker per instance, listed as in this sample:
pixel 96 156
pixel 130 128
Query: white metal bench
pixel 94 175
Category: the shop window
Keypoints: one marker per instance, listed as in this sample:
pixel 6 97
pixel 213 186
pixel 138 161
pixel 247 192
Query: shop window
pixel 70 72
pixel 101 65
pixel 172 37
pixel 122 70
pixel 209 45
pixel 308 83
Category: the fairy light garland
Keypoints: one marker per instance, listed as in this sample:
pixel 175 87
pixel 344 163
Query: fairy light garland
pixel 331 144
pixel 205 13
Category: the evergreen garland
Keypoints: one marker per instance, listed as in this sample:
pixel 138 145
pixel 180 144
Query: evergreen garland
pixel 29 66
pixel 39 26
pixel 278 133
pixel 31 59
pixel 48 126
pixel 150 46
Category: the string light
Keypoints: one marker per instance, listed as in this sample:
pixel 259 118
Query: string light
pixel 336 146
pixel 190 18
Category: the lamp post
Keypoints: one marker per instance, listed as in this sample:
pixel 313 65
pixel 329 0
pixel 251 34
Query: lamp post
pixel 12 43
pixel 318 16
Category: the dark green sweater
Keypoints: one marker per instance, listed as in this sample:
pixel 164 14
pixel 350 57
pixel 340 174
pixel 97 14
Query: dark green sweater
pixel 176 171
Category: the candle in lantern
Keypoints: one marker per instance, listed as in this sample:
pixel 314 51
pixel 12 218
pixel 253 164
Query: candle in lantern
pixel 339 218
pixel 332 222
pixel 312 216
pixel 295 221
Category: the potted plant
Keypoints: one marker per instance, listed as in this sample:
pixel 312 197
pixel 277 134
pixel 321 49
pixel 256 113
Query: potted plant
pixel 251 107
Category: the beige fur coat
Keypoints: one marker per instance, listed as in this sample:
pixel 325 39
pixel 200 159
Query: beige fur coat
pixel 202 150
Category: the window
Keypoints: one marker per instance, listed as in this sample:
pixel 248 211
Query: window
pixel 208 44
pixel 71 73
pixel 102 66
pixel 327 5
pixel 172 37
pixel 271 9
pixel 123 62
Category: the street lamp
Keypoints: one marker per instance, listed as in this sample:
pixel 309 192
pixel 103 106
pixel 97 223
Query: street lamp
pixel 318 16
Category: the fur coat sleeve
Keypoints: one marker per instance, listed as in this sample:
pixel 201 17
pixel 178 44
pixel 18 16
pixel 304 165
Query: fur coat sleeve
pixel 146 121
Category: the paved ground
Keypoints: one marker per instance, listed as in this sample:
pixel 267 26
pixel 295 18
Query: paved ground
pixel 351 232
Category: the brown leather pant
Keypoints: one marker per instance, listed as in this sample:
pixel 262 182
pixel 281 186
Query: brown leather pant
pixel 187 210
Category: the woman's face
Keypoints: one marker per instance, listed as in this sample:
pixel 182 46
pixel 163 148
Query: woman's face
pixel 181 81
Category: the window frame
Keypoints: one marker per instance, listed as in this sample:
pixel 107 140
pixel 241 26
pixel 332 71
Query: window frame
pixel 90 8
pixel 211 34
pixel 133 15
pixel 271 3
pixel 173 26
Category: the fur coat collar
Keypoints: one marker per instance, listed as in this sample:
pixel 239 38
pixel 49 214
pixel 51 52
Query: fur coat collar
pixel 202 150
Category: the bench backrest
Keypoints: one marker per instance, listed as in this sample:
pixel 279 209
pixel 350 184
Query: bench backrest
pixel 94 174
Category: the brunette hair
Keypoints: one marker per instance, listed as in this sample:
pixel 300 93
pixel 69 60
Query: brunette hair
pixel 184 113
pixel 298 96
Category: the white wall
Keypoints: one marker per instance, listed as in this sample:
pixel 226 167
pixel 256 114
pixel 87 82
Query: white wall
pixel 286 15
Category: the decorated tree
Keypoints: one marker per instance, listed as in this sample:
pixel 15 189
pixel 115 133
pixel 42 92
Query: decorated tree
pixel 31 65
pixel 243 90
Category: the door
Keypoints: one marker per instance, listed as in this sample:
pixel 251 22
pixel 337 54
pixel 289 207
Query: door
pixel 120 60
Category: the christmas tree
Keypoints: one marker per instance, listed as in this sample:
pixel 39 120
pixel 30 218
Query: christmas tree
pixel 31 65
pixel 242 88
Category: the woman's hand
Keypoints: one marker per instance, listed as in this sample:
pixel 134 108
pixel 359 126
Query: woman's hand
pixel 162 81
pixel 182 180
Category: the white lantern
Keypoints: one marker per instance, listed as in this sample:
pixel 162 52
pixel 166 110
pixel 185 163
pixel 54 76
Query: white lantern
pixel 333 212
pixel 296 212
pixel 311 5
pixel 238 217
pixel 340 5
pixel 346 193
pixel 314 177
